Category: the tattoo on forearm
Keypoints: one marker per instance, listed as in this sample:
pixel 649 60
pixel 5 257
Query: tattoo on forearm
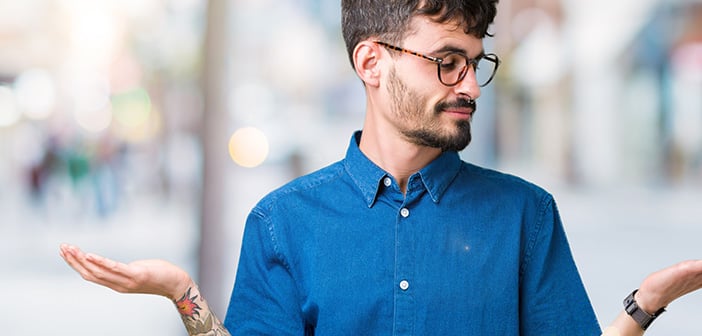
pixel 198 318
pixel 187 306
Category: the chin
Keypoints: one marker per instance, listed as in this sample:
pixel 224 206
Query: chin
pixel 458 142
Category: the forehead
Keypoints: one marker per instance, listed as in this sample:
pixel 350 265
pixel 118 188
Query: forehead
pixel 429 35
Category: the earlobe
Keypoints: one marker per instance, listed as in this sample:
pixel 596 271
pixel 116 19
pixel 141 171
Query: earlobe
pixel 366 57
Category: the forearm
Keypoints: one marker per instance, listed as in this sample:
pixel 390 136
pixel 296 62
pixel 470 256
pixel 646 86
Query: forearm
pixel 196 314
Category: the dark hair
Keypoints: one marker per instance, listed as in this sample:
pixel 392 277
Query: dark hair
pixel 389 19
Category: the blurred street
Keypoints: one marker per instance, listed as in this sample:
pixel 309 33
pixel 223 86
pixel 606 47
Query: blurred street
pixel 122 122
pixel 618 238
pixel 46 297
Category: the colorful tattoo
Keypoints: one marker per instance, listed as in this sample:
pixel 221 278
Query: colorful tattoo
pixel 198 319
pixel 187 306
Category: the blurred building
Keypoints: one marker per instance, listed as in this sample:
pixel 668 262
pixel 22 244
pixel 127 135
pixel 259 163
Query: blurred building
pixel 662 94
pixel 599 93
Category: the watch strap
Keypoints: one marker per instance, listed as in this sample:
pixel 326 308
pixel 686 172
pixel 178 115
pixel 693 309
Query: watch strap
pixel 641 317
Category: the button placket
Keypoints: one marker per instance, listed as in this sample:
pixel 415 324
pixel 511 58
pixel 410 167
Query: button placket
pixel 405 308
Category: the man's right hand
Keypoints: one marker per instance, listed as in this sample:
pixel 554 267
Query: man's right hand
pixel 151 276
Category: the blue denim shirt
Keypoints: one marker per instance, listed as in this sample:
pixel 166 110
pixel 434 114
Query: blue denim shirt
pixel 467 251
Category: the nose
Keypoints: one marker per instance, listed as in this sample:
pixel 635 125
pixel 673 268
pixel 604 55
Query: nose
pixel 468 86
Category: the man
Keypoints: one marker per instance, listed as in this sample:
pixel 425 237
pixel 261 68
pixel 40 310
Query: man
pixel 400 237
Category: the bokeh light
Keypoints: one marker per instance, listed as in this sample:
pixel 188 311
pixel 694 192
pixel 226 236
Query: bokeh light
pixel 141 132
pixel 94 30
pixel 132 108
pixel 36 93
pixel 95 120
pixel 9 114
pixel 92 106
pixel 248 147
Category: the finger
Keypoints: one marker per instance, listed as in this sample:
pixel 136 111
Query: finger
pixel 62 247
pixel 92 262
pixel 72 256
pixel 100 270
pixel 91 268
pixel 106 272
pixel 109 267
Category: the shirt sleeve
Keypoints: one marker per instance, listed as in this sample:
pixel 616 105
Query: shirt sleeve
pixel 264 300
pixel 553 298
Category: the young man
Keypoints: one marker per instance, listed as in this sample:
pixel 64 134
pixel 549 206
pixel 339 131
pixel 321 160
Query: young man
pixel 400 237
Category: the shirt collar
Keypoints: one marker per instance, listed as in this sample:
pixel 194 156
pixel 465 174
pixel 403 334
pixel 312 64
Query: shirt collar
pixel 436 176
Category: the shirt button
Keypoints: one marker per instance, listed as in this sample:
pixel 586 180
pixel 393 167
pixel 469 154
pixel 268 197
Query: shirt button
pixel 387 181
pixel 404 285
pixel 404 212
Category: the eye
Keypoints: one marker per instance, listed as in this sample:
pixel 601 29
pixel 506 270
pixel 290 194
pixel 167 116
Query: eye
pixel 452 62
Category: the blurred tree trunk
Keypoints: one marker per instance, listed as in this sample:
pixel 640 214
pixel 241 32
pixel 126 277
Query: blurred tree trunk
pixel 214 135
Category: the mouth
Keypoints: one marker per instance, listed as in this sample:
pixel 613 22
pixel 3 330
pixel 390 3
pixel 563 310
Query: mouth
pixel 460 113
pixel 462 109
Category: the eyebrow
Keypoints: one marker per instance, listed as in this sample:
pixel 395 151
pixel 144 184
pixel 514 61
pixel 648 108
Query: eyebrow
pixel 451 49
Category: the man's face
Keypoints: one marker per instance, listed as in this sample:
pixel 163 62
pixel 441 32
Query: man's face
pixel 425 111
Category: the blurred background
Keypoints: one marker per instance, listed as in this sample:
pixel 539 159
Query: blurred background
pixel 148 129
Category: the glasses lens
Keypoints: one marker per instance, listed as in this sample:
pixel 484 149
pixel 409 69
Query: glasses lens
pixel 451 68
pixel 485 70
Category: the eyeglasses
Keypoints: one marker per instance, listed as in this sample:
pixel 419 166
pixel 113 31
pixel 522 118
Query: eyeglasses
pixel 453 67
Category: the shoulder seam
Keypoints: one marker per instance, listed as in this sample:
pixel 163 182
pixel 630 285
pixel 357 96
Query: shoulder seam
pixel 546 200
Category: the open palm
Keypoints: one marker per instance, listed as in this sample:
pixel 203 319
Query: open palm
pixel 150 276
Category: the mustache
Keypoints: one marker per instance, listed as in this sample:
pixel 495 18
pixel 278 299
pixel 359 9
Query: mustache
pixel 458 103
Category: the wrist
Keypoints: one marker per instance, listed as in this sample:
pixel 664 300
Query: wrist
pixel 648 302
pixel 184 283
pixel 642 317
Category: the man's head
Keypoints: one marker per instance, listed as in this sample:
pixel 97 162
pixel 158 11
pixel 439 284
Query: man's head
pixel 418 62
pixel 389 20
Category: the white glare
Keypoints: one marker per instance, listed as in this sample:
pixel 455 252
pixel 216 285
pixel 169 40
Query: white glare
pixel 36 93
pixel 9 114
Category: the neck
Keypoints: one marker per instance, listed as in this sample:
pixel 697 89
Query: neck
pixel 393 153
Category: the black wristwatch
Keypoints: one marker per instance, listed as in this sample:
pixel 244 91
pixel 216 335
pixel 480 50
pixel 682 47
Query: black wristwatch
pixel 639 315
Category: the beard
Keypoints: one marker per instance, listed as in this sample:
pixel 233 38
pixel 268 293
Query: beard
pixel 423 127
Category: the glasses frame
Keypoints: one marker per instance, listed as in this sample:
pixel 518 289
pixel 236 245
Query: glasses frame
pixel 439 61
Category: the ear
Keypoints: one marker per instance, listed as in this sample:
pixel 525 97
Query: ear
pixel 366 60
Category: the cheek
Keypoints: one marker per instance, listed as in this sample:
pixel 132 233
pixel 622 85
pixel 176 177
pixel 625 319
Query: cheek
pixel 412 93
pixel 426 94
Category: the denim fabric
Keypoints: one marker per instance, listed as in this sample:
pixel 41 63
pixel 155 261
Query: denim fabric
pixel 467 251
